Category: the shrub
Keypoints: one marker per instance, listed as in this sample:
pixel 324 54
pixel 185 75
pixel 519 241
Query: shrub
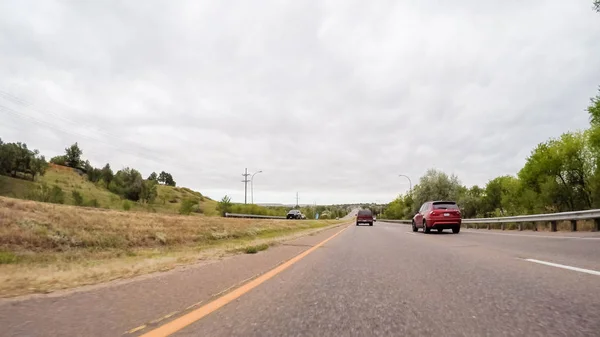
pixel 126 205
pixel 77 198
pixel 45 194
pixel 57 195
pixel 187 206
pixel 224 205
pixel 93 203
pixel 256 249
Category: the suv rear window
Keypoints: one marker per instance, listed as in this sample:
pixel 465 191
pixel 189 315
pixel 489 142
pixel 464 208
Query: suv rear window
pixel 445 205
pixel 364 212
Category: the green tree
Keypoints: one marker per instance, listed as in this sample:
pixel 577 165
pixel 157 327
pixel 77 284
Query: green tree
pixel 149 191
pixel 471 202
pixel 435 185
pixel 93 174
pixel 597 5
pixel 561 172
pixel 39 166
pixel 162 177
pixel 153 176
pixel 73 155
pixel 107 174
pixel 17 158
pixel 224 206
pixel 169 180
pixel 59 160
pixel 127 183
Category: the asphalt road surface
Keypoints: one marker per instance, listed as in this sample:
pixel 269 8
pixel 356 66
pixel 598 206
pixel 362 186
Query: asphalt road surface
pixel 386 280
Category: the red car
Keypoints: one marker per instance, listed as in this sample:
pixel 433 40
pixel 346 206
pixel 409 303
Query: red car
pixel 438 215
pixel 364 216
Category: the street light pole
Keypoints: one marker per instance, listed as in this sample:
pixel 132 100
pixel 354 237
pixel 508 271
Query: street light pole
pixel 409 182
pixel 252 186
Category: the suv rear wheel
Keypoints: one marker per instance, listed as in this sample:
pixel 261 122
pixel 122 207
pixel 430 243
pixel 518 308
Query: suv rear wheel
pixel 425 229
pixel 456 230
pixel 371 223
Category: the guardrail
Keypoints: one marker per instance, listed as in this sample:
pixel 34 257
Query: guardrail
pixel 252 216
pixel 552 218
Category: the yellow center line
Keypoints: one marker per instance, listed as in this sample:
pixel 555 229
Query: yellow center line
pixel 187 319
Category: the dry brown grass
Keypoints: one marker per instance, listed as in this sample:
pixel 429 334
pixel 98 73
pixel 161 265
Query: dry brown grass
pixel 48 247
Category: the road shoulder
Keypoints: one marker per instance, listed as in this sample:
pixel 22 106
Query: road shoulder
pixel 145 301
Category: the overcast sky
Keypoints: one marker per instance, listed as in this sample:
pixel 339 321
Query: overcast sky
pixel 332 99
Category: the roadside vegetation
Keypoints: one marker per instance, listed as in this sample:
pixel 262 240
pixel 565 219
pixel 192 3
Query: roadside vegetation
pixel 325 212
pixel 68 179
pixel 561 174
pixel 45 247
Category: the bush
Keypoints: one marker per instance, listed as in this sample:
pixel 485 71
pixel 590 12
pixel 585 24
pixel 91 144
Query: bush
pixel 59 160
pixel 77 198
pixel 224 205
pixel 93 203
pixel 256 249
pixel 45 194
pixel 126 205
pixel 57 195
pixel 187 206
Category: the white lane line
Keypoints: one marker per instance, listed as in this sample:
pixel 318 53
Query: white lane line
pixel 534 236
pixel 581 270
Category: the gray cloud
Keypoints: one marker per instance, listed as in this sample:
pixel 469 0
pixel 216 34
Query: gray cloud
pixel 329 98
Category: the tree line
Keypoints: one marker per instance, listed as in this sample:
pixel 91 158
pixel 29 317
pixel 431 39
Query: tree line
pixel 18 161
pixel 325 212
pixel 561 174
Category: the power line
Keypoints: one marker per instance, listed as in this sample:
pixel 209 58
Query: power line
pixel 20 101
pixel 55 127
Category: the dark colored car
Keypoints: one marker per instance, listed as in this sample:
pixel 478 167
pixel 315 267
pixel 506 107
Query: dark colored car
pixel 364 216
pixel 294 214
pixel 438 215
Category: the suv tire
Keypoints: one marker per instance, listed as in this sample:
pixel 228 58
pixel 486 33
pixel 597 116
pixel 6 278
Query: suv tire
pixel 456 230
pixel 425 229
pixel 414 227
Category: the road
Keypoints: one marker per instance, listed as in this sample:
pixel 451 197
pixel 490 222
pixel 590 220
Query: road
pixel 383 280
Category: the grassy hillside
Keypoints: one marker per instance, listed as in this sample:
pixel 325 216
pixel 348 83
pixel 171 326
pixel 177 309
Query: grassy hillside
pixel 168 201
pixel 44 246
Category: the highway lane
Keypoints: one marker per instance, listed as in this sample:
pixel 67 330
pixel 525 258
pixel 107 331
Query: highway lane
pixel 387 281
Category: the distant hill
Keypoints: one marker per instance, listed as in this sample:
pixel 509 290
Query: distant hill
pixel 169 198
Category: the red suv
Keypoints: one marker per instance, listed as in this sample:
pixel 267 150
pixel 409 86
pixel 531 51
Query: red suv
pixel 439 215
pixel 364 216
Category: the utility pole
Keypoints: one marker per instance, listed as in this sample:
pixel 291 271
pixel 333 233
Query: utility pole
pixel 297 204
pixel 245 181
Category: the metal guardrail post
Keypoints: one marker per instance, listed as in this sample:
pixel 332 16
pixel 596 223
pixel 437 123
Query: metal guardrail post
pixel 502 226
pixel 573 225
pixel 489 226
pixel 597 225
pixel 520 226
pixel 553 226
